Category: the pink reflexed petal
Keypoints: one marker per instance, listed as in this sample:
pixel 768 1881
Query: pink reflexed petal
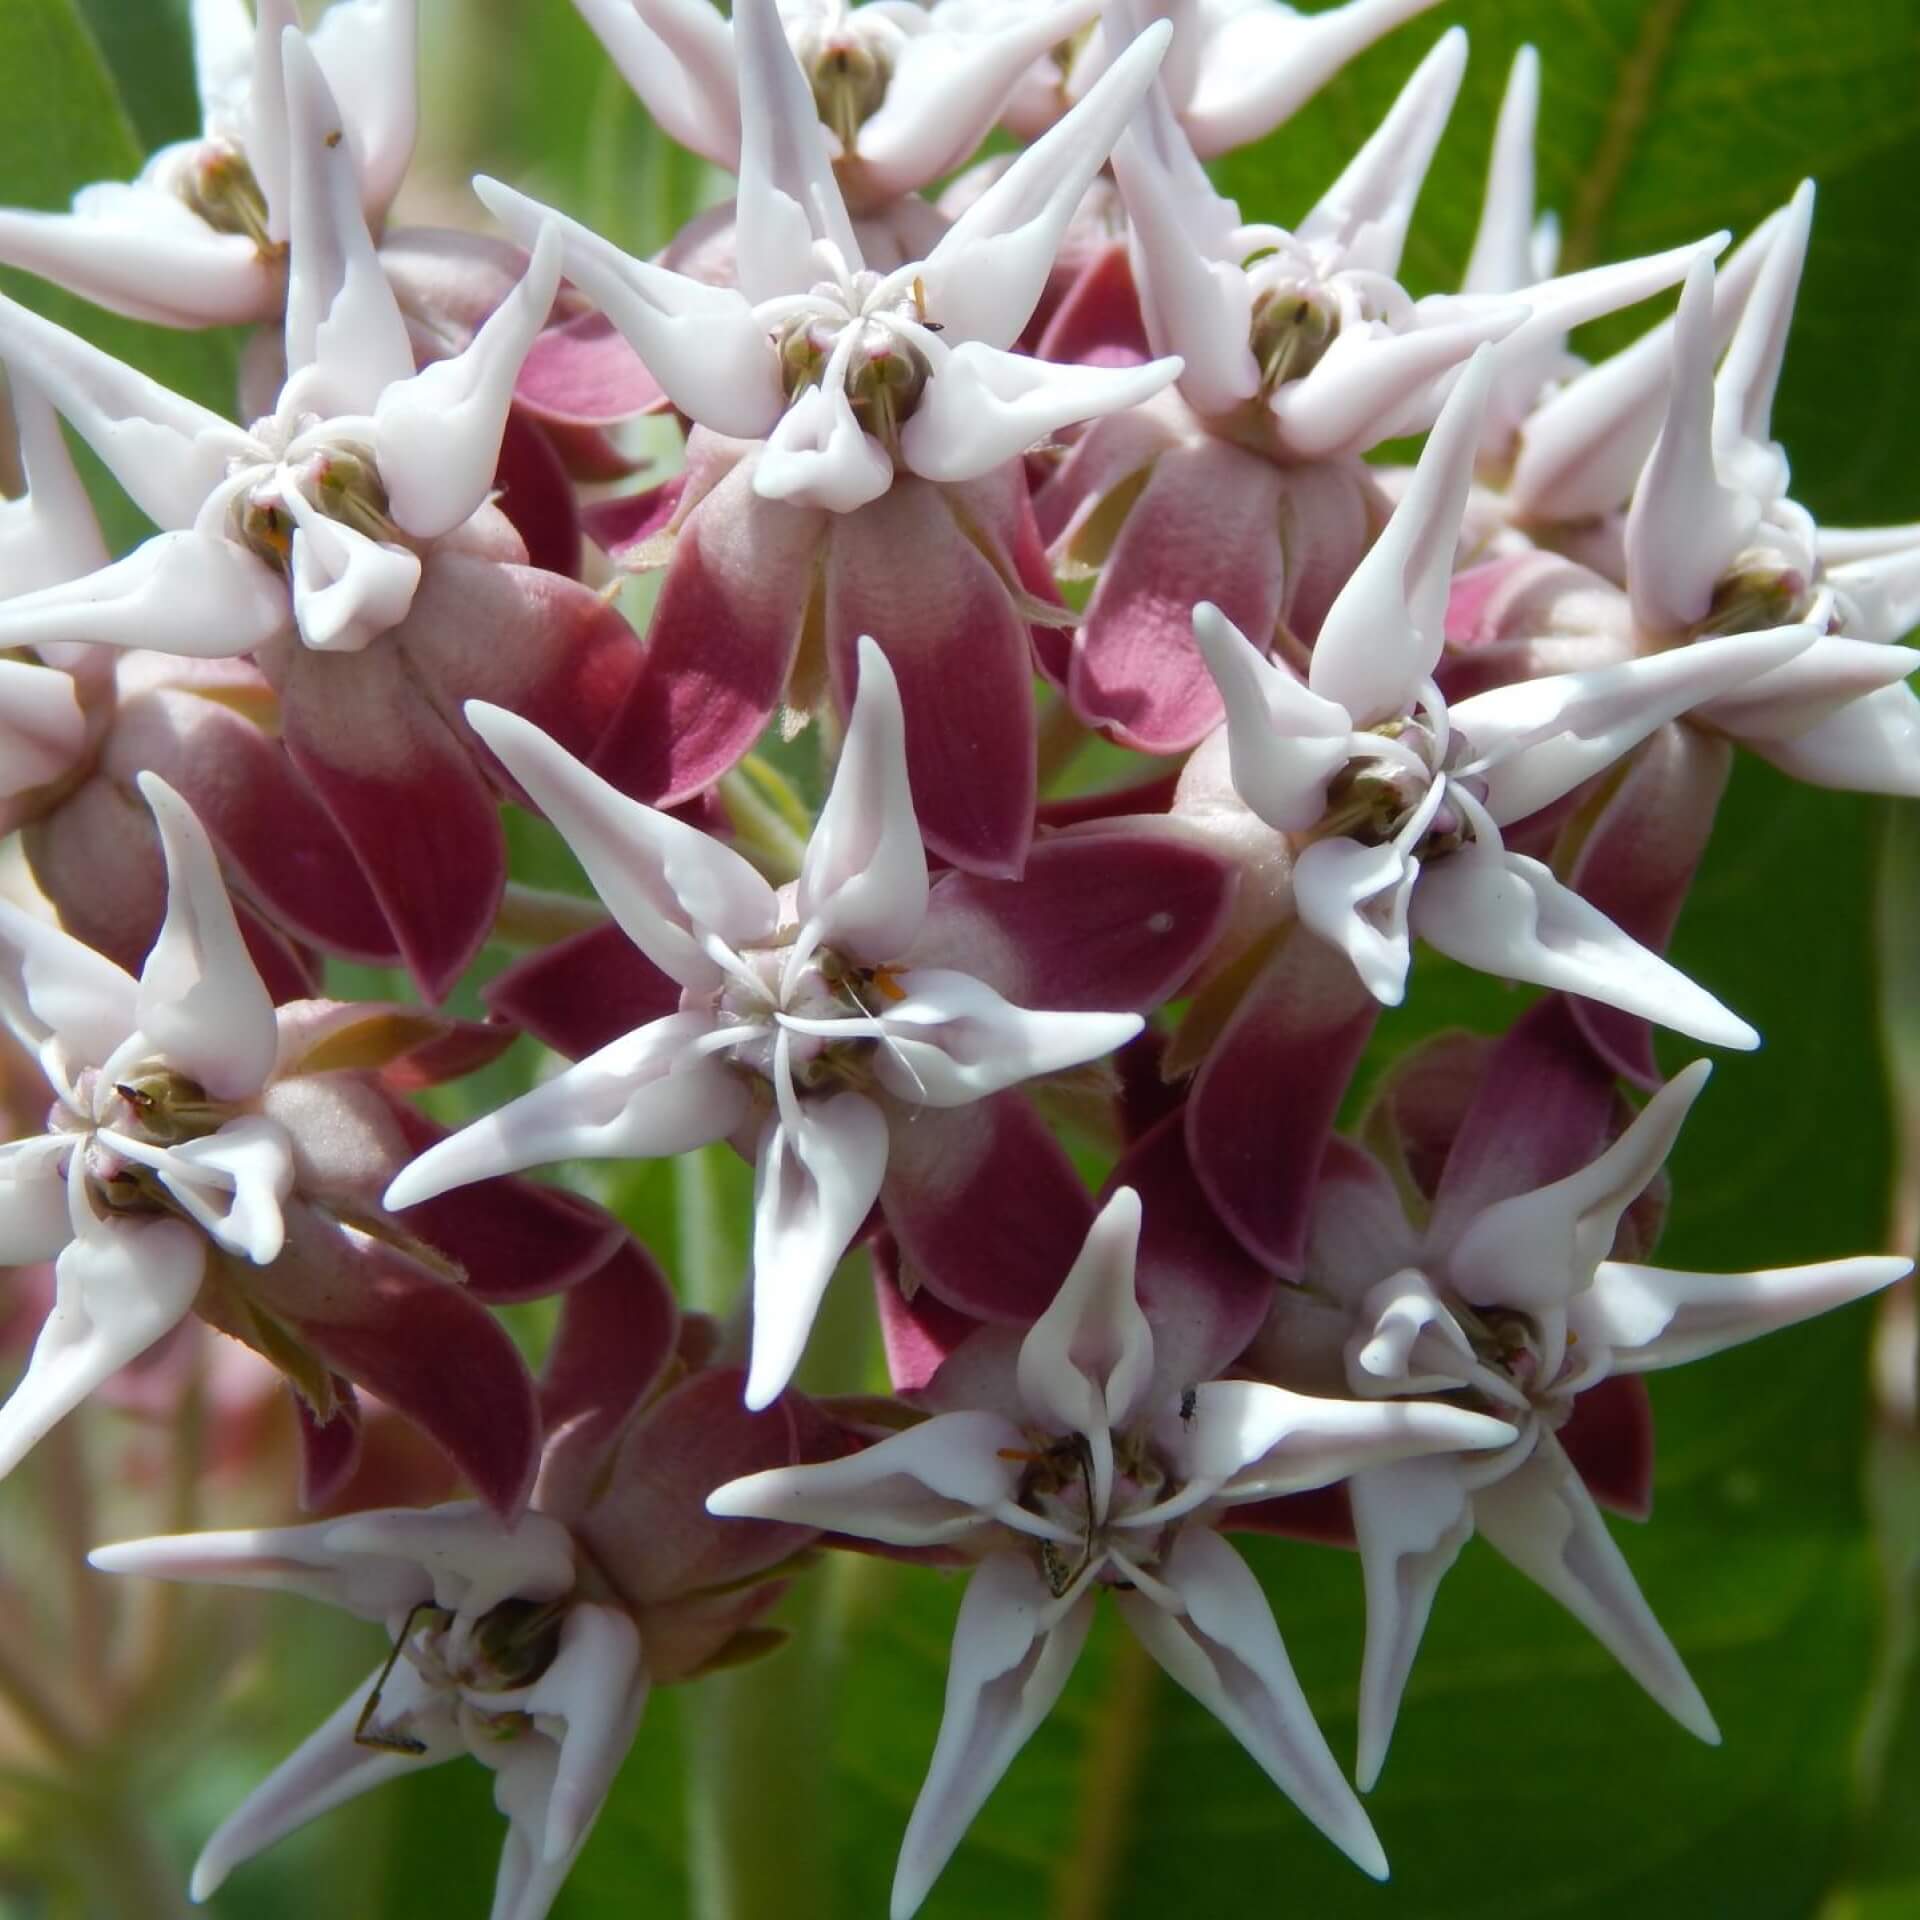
pixel 986 1206
pixel 1098 323
pixel 1115 914
pixel 863 883
pixel 579 994
pixel 138 251
pixel 1087 1364
pixel 345 337
pixel 180 592
pixel 970 748
pixel 534 490
pixel 936 1482
pixel 987 274
pixel 1302 1027
pixel 1508 916
pixel 1259 65
pixel 1203 1296
pixel 615 1339
pixel 1104 458
pixel 406 796
pixel 436 436
pixel 201 999
pixel 1543 1520
pixel 330 1450
pixel 918 1334
pixel 53 985
pixel 120 1286
pixel 1322 1518
pixel 1366 212
pixel 1360 1229
pixel 1284 742
pixel 704 345
pixel 1636 865
pixel 511 1239
pixel 583 373
pixel 722 639
pixel 816 1177
pixel 984 406
pixel 669 885
pixel 1539 1249
pixel 167 452
pixel 1225 1650
pixel 1609 1439
pixel 626 527
pixel 1411 1520
pixel 1544 1108
pixel 1383 636
pixel 1013 1650
pixel 327 1769
pixel 950 1039
pixel 645 1095
pixel 426 1347
pixel 42 730
pixel 1652 1317
pixel 1151 797
pixel 1206 528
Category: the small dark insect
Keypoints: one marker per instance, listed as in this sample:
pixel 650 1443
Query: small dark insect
pixel 1188 1401
pixel 333 139
pixel 381 1739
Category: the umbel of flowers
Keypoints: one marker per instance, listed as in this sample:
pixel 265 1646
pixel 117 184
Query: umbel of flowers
pixel 1487 701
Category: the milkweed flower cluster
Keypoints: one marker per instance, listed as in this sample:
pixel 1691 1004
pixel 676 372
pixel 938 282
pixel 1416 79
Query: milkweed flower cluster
pixel 1488 700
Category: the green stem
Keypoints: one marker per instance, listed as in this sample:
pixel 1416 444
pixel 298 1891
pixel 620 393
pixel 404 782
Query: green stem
pixel 1062 735
pixel 538 916
pixel 760 829
pixel 1088 1874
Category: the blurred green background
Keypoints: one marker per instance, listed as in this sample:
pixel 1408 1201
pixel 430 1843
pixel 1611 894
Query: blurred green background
pixel 1529 1777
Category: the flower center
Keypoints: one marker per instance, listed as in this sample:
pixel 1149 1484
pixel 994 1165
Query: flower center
pixel 864 350
pixel 1058 1486
pixel 1293 326
pixel 155 1105
pixel 338 480
pixel 827 988
pixel 219 184
pixel 850 72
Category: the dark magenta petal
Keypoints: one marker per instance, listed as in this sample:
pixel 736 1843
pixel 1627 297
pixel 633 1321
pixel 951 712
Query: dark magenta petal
pixel 329 1450
pixel 960 651
pixel 623 526
pixel 1264 1101
pixel 1097 321
pixel 1112 918
pixel 584 374
pixel 1609 1439
pixel 1152 795
pixel 918 1334
pixel 581 992
pixel 536 494
pixel 986 1206
pixel 721 643
pixel 1322 1517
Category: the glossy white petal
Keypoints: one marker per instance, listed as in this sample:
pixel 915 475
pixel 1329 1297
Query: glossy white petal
pixel 669 885
pixel 348 589
pixel 1411 1521
pixel 1542 1518
pixel 437 435
pixel 983 407
pixel 202 1001
pixel 49 534
pixel 525 1772
pixel 1871 745
pixel 985 277
pixel 345 338
pixel 1087 1362
pixel 704 345
pixel 1508 916
pixel 1284 742
pixel 187 593
pixel 1749 373
pixel 863 882
pixel 42 730
pixel 1226 1651
pixel 1014 1647
pixel 369 52
pixel 819 455
pixel 54 985
pixel 118 1287
pixel 648 1094
pixel 34 1223
pixel 816 1177
pixel 1654 1317
pixel 938 1481
pixel 1502 257
pixel 1383 635
pixel 234 1182
pixel 677 55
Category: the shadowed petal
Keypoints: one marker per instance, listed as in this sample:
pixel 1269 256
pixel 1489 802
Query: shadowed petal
pixel 233 1182
pixel 579 994
pixel 34 1223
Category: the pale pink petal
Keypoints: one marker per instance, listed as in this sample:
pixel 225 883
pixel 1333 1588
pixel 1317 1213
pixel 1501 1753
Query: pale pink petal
pixel 1750 368
pixel 1383 636
pixel 983 406
pixel 863 883
pixel 670 886
pixel 1871 745
pixel 985 277
pixel 703 344
pixel 34 1222
pixel 1411 1521
pixel 1507 915
pixel 1653 1317
pixel 50 534
pixel 1502 257
pixel 1542 1519
pixel 201 999
pixel 647 1094
pixel 42 730
pixel 584 374
pixel 369 51
pixel 53 985
pixel 1835 672
pixel 1013 1650
pixel 677 55
pixel 816 1177
pixel 345 337
pixel 167 452
pixel 937 1481
pixel 437 435
pixel 1225 1650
